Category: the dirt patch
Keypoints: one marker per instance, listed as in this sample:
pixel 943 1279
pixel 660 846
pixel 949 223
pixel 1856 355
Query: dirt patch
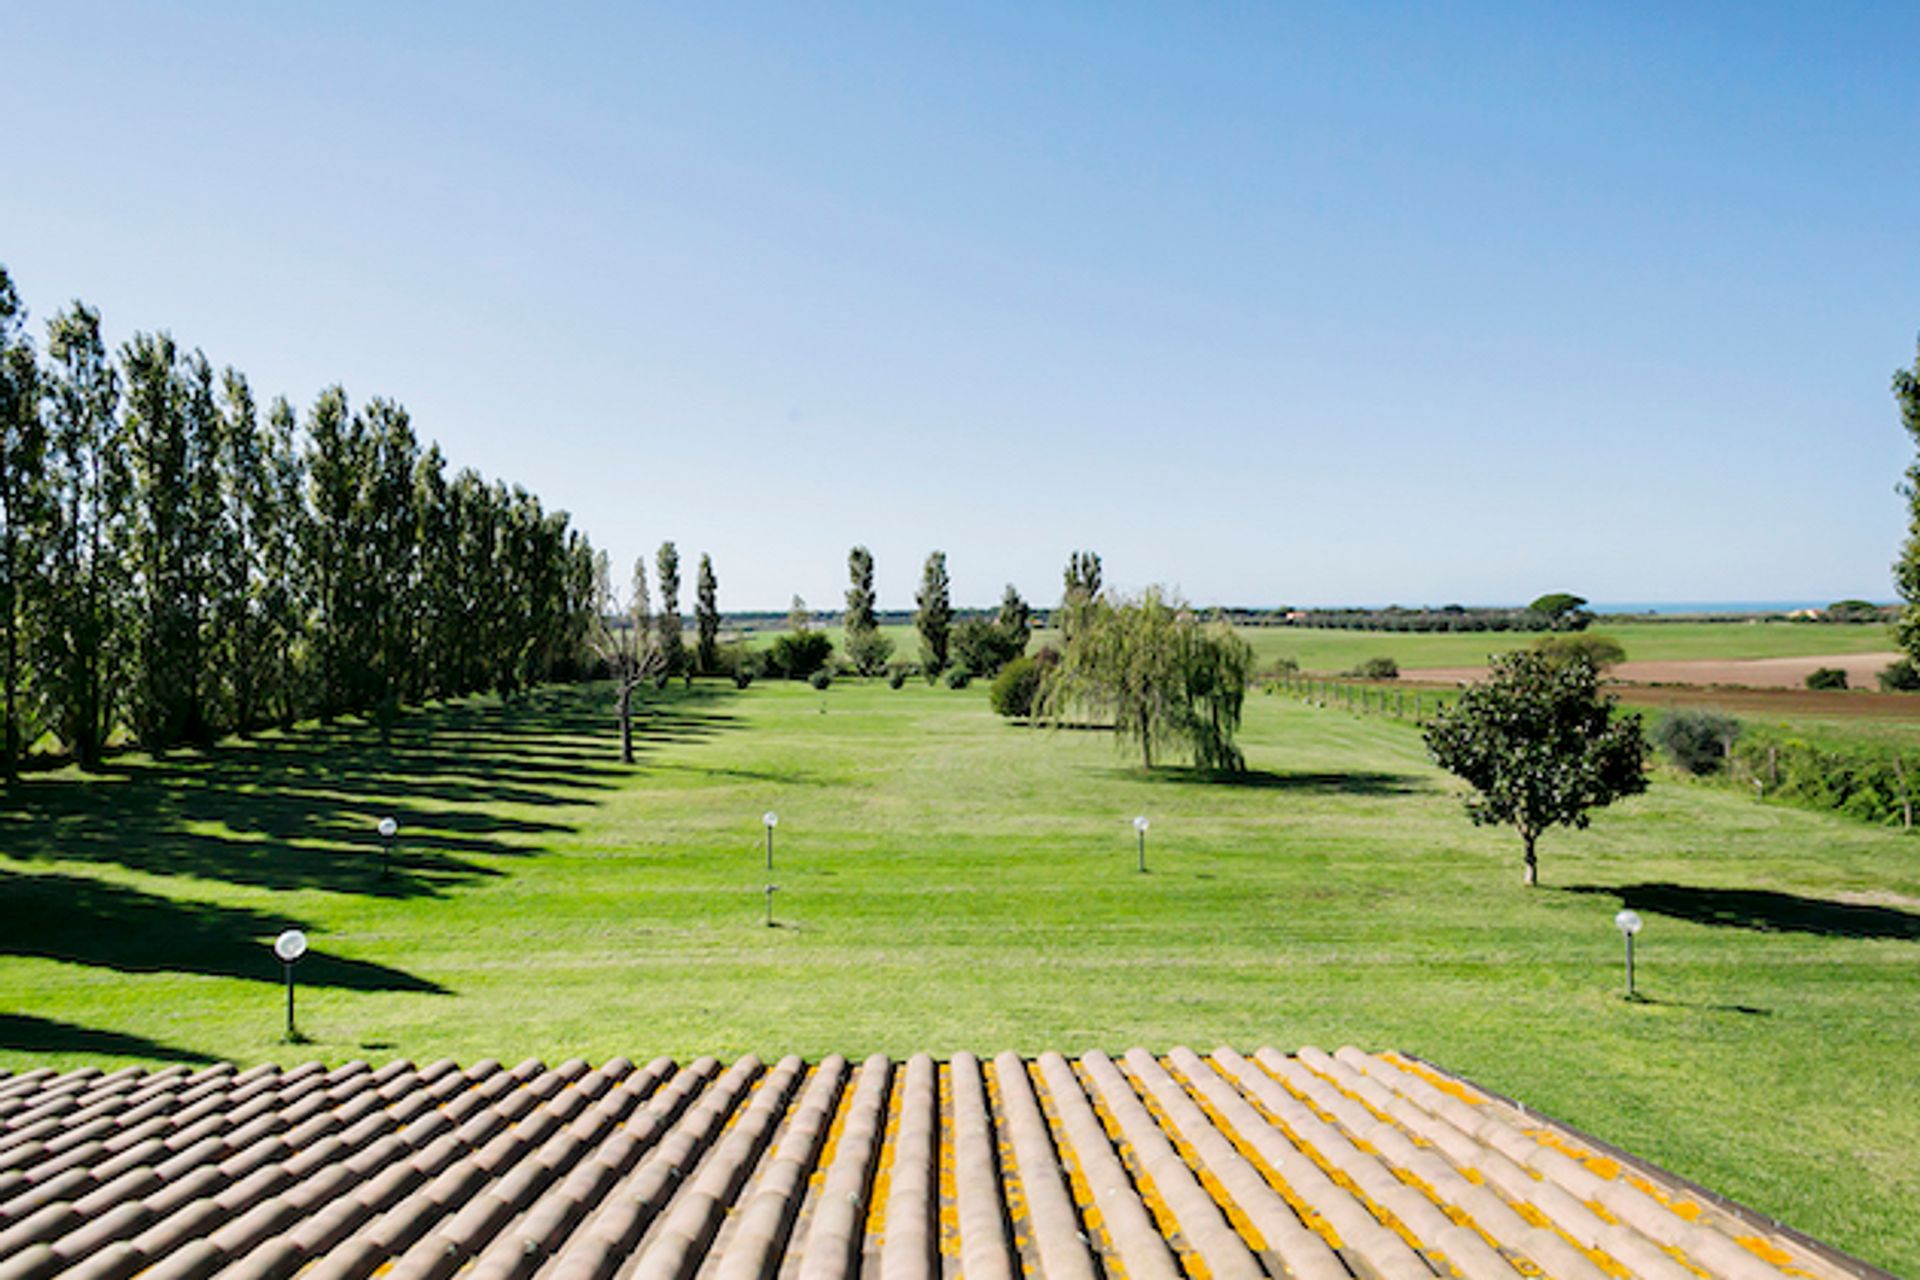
pixel 1863 670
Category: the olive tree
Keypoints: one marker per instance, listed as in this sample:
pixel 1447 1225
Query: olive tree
pixel 1540 745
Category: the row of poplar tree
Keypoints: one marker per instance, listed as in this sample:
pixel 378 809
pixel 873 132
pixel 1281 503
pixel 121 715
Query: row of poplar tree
pixel 176 564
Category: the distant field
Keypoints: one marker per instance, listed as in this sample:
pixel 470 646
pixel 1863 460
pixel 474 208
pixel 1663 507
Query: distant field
pixel 1330 651
pixel 951 881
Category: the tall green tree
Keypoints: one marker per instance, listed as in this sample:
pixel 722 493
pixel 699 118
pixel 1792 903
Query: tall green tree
pixel 1081 589
pixel 23 512
pixel 83 652
pixel 934 616
pixel 706 616
pixel 171 426
pixel 1162 677
pixel 667 562
pixel 283 589
pixel 1540 746
pixel 239 634
pixel 335 460
pixel 1906 570
pixel 867 649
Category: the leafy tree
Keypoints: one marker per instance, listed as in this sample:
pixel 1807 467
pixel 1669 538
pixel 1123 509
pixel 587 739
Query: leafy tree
pixel 83 642
pixel 799 653
pixel 1563 610
pixel 335 457
pixel 706 617
pixel 799 617
pixel 1541 747
pixel 987 644
pixel 165 423
pixel 1598 652
pixel 1082 589
pixel 1853 611
pixel 934 616
pixel 867 649
pixel 667 561
pixel 1160 675
pixel 1376 669
pixel 1900 676
pixel 1698 741
pixel 1907 567
pixel 239 631
pixel 23 513
pixel 860 596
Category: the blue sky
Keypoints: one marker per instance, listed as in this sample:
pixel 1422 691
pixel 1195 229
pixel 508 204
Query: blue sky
pixel 1307 304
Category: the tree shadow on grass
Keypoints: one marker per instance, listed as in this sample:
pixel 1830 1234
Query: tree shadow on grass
pixel 1765 910
pixel 91 922
pixel 1358 782
pixel 23 1033
pixel 297 810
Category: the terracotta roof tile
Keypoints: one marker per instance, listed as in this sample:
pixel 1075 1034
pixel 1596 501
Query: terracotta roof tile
pixel 1316 1166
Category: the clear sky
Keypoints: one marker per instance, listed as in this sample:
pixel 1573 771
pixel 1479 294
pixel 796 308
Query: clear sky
pixel 1272 303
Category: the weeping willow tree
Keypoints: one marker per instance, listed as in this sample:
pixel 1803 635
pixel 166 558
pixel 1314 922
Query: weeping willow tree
pixel 1161 676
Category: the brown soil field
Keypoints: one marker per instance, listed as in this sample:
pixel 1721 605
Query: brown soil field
pixel 1750 673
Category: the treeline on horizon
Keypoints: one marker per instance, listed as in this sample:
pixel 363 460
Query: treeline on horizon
pixel 176 565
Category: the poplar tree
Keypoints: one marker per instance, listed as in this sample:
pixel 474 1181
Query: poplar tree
pixel 23 495
pixel 934 617
pixel 333 461
pixel 238 571
pixel 1082 589
pixel 164 626
pixel 706 616
pixel 667 561
pixel 82 653
pixel 281 523
pixel 866 647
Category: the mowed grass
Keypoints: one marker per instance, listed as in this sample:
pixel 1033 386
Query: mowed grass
pixel 949 881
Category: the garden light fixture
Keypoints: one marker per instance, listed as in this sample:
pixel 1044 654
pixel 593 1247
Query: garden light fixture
pixel 289 947
pixel 1140 825
pixel 388 829
pixel 1628 923
pixel 772 820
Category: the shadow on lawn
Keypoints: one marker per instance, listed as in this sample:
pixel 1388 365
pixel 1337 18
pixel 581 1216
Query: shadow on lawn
pixel 1340 782
pixel 1766 910
pixel 25 1034
pixel 297 810
pixel 111 926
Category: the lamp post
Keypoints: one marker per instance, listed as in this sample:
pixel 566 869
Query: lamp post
pixel 1628 923
pixel 388 829
pixel 771 890
pixel 1140 825
pixel 289 947
pixel 772 820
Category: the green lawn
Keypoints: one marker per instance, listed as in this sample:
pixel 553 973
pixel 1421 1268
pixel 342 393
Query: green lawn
pixel 949 881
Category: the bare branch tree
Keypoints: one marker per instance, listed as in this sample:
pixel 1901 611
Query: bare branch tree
pixel 623 637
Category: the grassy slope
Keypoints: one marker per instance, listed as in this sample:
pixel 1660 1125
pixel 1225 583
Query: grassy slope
pixel 950 881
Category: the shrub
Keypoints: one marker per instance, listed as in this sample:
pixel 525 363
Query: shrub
pixel 1698 741
pixel 798 654
pixel 1826 678
pixel 1598 652
pixel 1377 669
pixel 1281 669
pixel 1900 676
pixel 821 678
pixel 1014 688
pixel 897 678
pixel 868 649
pixel 742 676
pixel 983 646
pixel 959 677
